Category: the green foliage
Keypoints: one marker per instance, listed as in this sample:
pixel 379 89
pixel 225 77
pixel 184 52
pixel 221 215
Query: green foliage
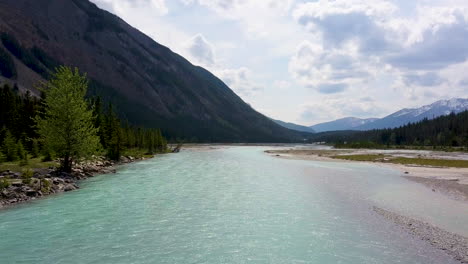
pixel 22 154
pixel 20 112
pixel 116 137
pixel 9 147
pixel 7 65
pixel 45 183
pixel 20 151
pixel 113 135
pixel 35 148
pixel 449 131
pixel 4 183
pixel 16 114
pixel 359 144
pixel 67 124
pixel 432 162
pixel 360 157
pixel 404 160
pixel 48 154
pixel 35 163
pixel 26 176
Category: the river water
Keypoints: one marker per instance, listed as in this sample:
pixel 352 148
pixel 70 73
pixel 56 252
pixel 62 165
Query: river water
pixel 229 205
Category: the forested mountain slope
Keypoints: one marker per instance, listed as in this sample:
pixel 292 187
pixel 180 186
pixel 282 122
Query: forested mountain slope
pixel 148 84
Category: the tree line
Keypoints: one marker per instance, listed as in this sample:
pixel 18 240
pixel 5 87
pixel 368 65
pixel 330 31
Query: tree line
pixel 444 131
pixel 63 124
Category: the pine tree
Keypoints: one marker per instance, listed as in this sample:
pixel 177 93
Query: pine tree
pixel 22 154
pixel 67 124
pixel 35 148
pixel 9 147
pixel 114 139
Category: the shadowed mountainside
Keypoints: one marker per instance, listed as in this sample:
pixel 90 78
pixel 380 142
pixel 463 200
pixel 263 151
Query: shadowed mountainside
pixel 149 84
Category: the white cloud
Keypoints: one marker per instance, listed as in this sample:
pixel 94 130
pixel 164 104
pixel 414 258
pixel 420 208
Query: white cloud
pixel 240 80
pixel 200 50
pixel 328 70
pixel 158 7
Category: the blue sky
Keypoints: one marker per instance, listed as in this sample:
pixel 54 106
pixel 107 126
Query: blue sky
pixel 313 61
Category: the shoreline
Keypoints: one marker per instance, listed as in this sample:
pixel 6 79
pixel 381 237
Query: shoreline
pixel 452 244
pixel 450 181
pixel 57 182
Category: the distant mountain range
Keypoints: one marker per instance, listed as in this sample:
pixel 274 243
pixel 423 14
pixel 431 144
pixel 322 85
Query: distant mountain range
pixel 347 123
pixel 148 84
pixel 294 126
pixel 399 118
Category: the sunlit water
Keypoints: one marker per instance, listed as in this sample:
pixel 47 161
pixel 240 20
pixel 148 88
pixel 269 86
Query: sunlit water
pixel 229 205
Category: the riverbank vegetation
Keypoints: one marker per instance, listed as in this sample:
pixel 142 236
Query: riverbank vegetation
pixel 405 160
pixel 62 125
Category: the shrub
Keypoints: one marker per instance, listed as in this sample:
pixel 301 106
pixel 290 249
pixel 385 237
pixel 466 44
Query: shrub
pixel 27 176
pixel 45 185
pixel 4 183
pixel 22 154
pixel 35 148
pixel 48 154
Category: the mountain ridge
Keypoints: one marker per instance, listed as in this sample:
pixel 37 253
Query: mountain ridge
pixel 347 123
pixel 398 118
pixel 293 126
pixel 412 115
pixel 148 83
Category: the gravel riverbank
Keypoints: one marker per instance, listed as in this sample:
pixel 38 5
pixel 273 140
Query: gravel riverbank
pixel 453 244
pixel 44 182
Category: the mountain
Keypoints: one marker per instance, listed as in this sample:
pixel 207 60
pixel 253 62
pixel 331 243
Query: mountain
pixel 443 132
pixel 148 84
pixel 293 126
pixel 397 119
pixel 412 115
pixel 347 123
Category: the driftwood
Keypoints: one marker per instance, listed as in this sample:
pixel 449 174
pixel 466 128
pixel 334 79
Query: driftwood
pixel 177 148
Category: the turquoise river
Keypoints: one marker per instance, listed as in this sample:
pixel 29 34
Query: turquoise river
pixel 230 205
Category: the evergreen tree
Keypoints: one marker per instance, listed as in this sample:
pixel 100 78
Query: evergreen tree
pixel 9 147
pixel 22 154
pixel 20 151
pixel 67 124
pixel 114 135
pixel 35 148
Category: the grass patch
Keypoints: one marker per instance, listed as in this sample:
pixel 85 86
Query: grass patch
pixel 405 161
pixel 35 163
pixel 363 157
pixel 431 162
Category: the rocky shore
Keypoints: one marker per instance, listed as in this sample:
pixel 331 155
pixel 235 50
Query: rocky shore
pixel 43 182
pixel 453 244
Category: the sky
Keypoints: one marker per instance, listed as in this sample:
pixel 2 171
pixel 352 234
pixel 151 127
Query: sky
pixel 314 61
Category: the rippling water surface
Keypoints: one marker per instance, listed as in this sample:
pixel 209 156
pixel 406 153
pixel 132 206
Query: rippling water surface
pixel 228 205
